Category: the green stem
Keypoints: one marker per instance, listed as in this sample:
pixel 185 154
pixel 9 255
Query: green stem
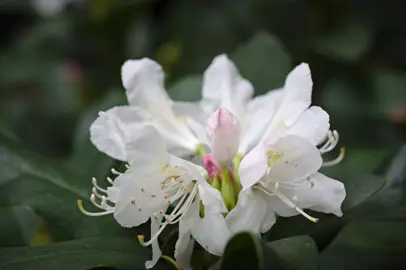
pixel 227 189
pixel 171 261
pixel 236 165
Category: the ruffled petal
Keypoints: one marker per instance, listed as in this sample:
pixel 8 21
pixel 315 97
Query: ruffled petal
pixel 111 131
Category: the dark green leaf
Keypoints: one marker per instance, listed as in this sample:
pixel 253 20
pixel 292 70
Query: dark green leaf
pixel 361 189
pixel 264 62
pixel 293 253
pixel 18 225
pixel 368 245
pixel 83 254
pixel 322 232
pixel 52 192
pixel 86 160
pixel 187 89
pixel 243 251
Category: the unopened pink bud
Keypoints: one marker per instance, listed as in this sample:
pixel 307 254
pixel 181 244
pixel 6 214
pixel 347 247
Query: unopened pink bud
pixel 223 129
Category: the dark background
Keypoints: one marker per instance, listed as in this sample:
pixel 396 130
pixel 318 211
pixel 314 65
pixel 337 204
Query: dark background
pixel 58 68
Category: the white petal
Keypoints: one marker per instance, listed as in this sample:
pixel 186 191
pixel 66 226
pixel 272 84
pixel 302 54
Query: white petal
pixel 253 166
pixel 326 195
pixel 250 214
pixel 260 112
pixel 156 251
pixel 146 151
pixel 298 92
pixel 223 86
pixel 144 83
pixel 184 245
pixel 293 158
pixel 313 125
pixel 281 208
pixel 139 198
pixel 114 128
pixel 211 233
pixel 191 109
pixel 297 98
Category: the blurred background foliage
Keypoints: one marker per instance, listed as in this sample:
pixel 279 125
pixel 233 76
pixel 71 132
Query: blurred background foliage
pixel 60 64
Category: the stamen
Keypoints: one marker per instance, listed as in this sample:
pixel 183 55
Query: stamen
pixel 288 202
pixel 177 213
pixel 94 191
pixel 93 200
pixel 91 214
pixel 333 138
pixel 110 181
pixel 312 219
pixel 94 182
pixel 114 171
pixel 337 160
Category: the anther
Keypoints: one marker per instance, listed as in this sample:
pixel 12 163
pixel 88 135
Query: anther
pixel 110 181
pixel 114 171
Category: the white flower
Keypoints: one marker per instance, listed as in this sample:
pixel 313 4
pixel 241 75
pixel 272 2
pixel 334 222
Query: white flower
pixel 153 181
pixel 287 171
pixel 148 104
pixel 285 164
pixel 279 131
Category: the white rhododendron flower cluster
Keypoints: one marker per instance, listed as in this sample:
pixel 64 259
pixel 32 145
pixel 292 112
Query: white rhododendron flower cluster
pixel 216 167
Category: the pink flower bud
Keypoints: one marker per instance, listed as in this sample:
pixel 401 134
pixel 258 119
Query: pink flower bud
pixel 223 129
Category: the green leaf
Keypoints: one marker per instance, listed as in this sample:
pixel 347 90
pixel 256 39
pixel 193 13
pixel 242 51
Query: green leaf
pixel 298 252
pixel 368 245
pixel 348 42
pixel 187 89
pixel 52 192
pixel 120 253
pixel 322 232
pixel 361 189
pixel 18 225
pixel 243 251
pixel 86 160
pixel 264 62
